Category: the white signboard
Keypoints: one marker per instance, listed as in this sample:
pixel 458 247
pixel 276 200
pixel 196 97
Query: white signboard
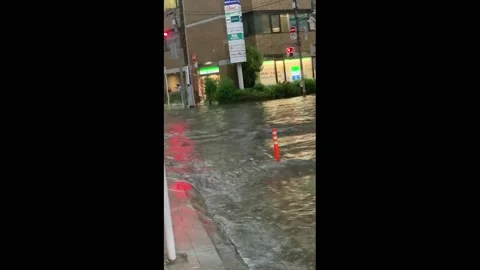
pixel 235 37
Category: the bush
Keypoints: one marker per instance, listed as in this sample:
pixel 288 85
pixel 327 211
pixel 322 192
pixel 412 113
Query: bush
pixel 310 86
pixel 225 91
pixel 286 90
pixel 260 87
pixel 210 89
pixel 250 94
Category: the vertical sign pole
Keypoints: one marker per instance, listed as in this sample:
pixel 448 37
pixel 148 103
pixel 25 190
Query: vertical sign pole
pixel 240 76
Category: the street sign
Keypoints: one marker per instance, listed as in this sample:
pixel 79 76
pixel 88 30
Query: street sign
pixel 236 36
pixel 236 19
pixel 293 29
pixel 293 36
pixel 235 33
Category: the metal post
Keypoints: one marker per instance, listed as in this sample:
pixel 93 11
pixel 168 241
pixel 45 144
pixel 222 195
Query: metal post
pixel 182 89
pixel 240 76
pixel 299 46
pixel 191 102
pixel 171 254
pixel 166 85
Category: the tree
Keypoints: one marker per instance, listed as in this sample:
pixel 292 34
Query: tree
pixel 252 66
pixel 210 89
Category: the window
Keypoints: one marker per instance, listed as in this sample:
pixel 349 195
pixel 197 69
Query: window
pixel 275 19
pixel 262 24
pixel 284 25
pixel 169 4
pixel 248 25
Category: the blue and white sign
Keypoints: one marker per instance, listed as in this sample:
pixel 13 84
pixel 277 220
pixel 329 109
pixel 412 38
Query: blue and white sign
pixel 231 2
pixel 235 37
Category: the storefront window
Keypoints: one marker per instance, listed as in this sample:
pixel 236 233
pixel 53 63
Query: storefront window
pixel 267 75
pixel 308 69
pixel 280 71
pixel 292 68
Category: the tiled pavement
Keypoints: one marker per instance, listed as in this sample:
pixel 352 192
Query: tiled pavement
pixel 191 239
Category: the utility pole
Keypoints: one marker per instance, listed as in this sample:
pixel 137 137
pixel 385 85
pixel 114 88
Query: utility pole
pixel 299 46
pixel 186 56
pixel 178 26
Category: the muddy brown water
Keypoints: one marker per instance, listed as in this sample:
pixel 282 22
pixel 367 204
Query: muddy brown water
pixel 260 209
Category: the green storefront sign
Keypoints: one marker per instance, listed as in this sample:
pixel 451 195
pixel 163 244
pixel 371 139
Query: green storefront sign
pixel 209 70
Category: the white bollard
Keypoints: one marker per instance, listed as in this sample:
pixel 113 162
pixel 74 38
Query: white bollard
pixel 171 254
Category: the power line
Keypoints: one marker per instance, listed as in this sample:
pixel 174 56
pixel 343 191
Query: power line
pixel 222 13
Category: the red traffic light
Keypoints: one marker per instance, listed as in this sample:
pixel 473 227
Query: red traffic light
pixel 165 34
pixel 289 50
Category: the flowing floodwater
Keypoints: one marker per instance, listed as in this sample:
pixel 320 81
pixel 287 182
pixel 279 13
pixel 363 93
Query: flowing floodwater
pixel 265 208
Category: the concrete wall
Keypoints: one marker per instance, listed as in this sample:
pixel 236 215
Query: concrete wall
pixel 196 10
pixel 208 41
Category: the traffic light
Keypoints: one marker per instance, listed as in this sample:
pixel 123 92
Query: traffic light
pixel 166 34
pixel 289 51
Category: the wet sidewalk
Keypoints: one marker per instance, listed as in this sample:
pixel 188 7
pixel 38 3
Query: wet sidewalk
pixel 194 247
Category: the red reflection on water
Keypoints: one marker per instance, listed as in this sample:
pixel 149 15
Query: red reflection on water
pixel 181 189
pixel 181 150
pixel 181 185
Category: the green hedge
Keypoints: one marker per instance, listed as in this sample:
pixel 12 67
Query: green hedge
pixel 226 93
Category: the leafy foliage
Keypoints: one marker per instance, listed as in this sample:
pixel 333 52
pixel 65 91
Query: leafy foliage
pixel 252 66
pixel 225 91
pixel 210 89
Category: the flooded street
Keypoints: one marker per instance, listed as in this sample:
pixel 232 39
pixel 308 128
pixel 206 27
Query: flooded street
pixel 265 208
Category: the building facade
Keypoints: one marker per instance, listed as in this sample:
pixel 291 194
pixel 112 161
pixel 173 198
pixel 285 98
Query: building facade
pixel 266 26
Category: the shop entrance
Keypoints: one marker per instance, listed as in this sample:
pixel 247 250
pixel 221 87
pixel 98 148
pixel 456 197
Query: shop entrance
pixel 212 72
